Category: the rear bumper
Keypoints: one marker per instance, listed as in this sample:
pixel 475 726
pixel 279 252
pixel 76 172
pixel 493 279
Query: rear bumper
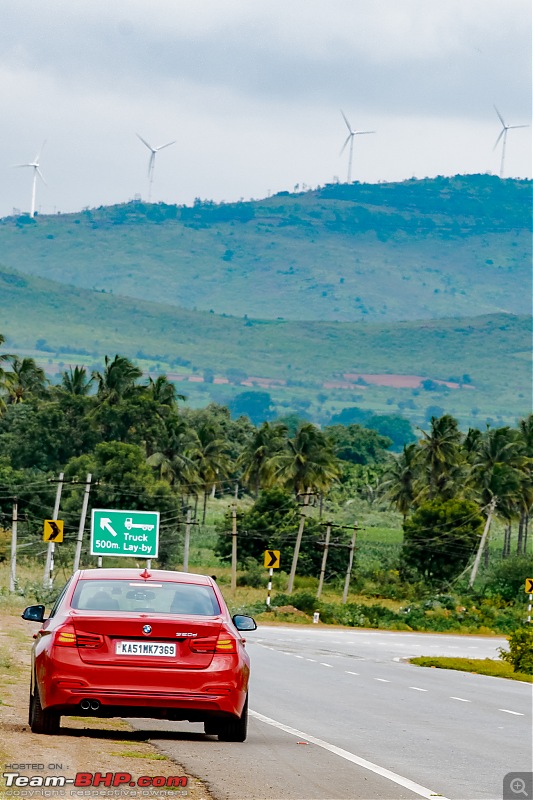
pixel 186 694
pixel 162 705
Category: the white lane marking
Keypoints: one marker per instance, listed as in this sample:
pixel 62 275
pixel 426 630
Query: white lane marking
pixel 459 698
pixel 323 664
pixel 418 689
pixel 311 659
pixel 397 659
pixel 417 788
pixel 351 673
pixel 516 713
pixel 298 656
pixel 383 680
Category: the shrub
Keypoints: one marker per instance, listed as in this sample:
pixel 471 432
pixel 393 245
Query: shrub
pixel 520 653
pixel 506 579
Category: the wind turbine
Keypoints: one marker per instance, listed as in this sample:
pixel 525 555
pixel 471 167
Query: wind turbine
pixel 351 136
pixel 151 163
pixel 36 171
pixel 503 135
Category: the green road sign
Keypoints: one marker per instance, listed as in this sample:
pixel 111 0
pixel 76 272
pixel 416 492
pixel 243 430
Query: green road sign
pixel 124 533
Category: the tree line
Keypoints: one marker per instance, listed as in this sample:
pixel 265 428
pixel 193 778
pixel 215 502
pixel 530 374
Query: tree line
pixel 146 449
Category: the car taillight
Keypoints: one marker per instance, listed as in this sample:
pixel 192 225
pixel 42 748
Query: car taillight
pixel 89 640
pixel 221 644
pixel 67 637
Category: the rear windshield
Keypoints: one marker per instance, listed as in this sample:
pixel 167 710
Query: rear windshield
pixel 131 596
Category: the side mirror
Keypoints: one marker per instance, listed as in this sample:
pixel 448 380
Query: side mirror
pixel 33 613
pixel 244 623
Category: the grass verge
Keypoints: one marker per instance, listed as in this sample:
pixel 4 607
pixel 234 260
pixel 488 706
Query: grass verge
pixel 480 666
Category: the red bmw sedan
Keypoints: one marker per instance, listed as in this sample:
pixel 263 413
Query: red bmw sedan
pixel 150 643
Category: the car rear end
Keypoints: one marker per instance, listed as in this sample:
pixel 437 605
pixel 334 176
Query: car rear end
pixel 156 644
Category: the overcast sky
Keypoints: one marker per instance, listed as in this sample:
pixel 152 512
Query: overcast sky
pixel 252 90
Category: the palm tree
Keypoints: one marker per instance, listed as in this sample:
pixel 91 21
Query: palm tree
pixel 399 480
pixel 76 381
pixel 441 459
pixel 256 457
pixel 498 471
pixel 24 380
pixel 525 428
pixel 211 462
pixel 118 379
pixel 163 391
pixel 175 461
pixel 308 461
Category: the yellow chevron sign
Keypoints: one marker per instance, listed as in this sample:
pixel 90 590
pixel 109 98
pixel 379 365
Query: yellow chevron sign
pixel 53 530
pixel 272 559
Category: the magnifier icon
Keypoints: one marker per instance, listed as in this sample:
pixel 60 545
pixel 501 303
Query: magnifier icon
pixel 518 786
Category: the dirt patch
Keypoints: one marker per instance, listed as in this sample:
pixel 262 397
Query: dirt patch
pixel 83 745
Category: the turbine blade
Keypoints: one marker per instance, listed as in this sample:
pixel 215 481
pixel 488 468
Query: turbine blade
pixel 37 157
pixel 345 143
pixel 502 133
pixel 40 174
pixel 499 116
pixel 517 126
pixel 149 146
pixel 346 121
pixel 359 133
pixel 162 146
pixel 22 165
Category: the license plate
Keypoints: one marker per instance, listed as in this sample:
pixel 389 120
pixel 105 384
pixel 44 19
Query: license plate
pixel 147 649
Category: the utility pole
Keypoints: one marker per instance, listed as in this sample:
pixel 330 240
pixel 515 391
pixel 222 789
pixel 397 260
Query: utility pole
pixel 482 542
pixel 13 570
pixel 350 564
pixel 234 549
pixel 324 559
pixel 79 539
pixel 236 491
pixel 298 543
pixel 48 578
pixel 187 542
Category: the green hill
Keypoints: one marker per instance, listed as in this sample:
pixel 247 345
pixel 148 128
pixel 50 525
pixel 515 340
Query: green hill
pixel 421 249
pixel 64 325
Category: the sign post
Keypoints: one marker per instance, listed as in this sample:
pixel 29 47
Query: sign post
pixel 124 533
pixel 272 562
pixel 529 591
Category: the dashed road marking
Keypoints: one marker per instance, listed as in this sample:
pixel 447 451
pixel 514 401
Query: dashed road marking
pixel 323 664
pixel 462 699
pixel 351 673
pixel 507 711
pixel 418 689
pixel 383 680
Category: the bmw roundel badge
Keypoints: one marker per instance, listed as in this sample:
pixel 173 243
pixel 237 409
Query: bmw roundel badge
pixel 147 629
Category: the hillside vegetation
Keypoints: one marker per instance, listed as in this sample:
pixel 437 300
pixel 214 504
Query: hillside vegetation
pixel 59 324
pixel 420 249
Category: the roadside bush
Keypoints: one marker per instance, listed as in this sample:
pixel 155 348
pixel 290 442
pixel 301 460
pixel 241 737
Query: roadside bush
pixel 506 579
pixel 520 653
pixel 303 601
pixel 253 576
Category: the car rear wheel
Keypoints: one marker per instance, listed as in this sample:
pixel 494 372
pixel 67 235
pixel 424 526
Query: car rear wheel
pixel 234 730
pixel 41 720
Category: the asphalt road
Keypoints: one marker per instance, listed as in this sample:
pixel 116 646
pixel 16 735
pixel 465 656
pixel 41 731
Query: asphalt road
pixel 336 714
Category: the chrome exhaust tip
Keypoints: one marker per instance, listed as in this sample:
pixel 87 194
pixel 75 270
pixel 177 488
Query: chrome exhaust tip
pixel 95 705
pixel 85 705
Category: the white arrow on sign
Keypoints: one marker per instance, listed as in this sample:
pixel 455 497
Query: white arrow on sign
pixel 105 524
